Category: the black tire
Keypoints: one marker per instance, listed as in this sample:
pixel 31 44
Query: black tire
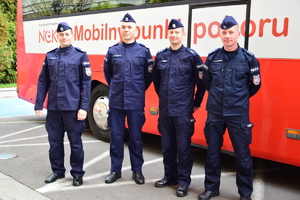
pixel 103 133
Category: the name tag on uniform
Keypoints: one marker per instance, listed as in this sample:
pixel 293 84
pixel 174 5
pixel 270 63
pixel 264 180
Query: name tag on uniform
pixel 117 56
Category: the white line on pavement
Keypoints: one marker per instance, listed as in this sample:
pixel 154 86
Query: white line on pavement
pixel 66 185
pixel 29 129
pixel 43 144
pixel 22 139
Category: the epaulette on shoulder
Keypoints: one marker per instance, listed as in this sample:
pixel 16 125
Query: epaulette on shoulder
pixel 162 50
pixel 114 45
pixel 249 55
pixel 143 45
pixel 78 49
pixel 214 51
pixel 191 51
pixel 248 52
pixel 52 50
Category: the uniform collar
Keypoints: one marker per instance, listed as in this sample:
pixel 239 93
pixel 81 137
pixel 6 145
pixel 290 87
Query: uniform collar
pixel 233 53
pixel 178 50
pixel 128 45
pixel 65 49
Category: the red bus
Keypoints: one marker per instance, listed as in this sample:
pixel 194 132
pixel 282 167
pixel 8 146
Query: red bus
pixel 270 29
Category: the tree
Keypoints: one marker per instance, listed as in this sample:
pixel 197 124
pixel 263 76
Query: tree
pixel 8 41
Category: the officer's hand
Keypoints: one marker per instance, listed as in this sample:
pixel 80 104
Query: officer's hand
pixel 39 113
pixel 196 108
pixel 81 115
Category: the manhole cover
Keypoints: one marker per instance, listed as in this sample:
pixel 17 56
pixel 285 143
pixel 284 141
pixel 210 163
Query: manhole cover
pixel 7 155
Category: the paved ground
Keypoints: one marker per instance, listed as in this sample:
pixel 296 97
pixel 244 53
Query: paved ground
pixel 22 177
pixel 9 187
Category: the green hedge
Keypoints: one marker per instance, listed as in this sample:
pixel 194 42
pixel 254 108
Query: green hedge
pixel 8 9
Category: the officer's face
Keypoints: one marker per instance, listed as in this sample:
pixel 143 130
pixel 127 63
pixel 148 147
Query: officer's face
pixel 128 30
pixel 65 38
pixel 176 36
pixel 230 37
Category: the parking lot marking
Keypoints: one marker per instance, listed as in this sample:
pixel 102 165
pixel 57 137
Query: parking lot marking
pixel 95 160
pixel 16 133
pixel 42 144
pixel 22 139
pixel 63 185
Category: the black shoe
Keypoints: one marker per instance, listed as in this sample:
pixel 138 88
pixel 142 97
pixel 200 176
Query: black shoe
pixel 164 182
pixel 245 198
pixel 182 190
pixel 53 177
pixel 77 180
pixel 206 195
pixel 112 177
pixel 138 177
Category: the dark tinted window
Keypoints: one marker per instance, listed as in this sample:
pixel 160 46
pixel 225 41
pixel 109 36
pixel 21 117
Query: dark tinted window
pixel 42 8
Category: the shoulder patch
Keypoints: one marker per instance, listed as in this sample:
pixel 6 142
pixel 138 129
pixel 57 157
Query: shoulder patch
pixel 191 51
pixel 79 49
pixel 162 50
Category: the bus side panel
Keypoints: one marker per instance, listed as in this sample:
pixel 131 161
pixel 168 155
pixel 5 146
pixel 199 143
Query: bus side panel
pixel 276 108
pixel 29 69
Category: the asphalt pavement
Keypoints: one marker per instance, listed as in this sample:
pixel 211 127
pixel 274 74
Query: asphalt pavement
pixel 22 177
pixel 10 188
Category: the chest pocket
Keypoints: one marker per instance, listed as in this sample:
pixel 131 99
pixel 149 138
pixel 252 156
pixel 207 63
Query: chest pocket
pixel 217 74
pixel 163 66
pixel 184 71
pixel 73 70
pixel 138 67
pixel 241 72
pixel 53 67
pixel 117 61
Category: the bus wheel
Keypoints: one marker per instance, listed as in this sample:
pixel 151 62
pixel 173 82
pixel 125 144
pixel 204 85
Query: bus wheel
pixel 97 115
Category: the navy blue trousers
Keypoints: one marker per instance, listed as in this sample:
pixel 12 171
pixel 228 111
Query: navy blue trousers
pixel 176 133
pixel 240 133
pixel 135 121
pixel 57 123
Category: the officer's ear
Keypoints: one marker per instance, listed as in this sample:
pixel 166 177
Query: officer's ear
pixel 183 32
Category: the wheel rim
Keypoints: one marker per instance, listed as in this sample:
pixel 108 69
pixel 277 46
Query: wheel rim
pixel 100 115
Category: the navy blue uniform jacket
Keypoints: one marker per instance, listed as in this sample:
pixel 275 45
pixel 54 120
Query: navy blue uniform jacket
pixel 176 74
pixel 66 77
pixel 231 81
pixel 128 72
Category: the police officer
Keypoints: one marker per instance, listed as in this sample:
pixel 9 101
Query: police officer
pixel 66 78
pixel 175 76
pixel 232 76
pixel 128 72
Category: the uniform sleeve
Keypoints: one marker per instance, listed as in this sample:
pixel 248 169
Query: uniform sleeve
pixel 255 78
pixel 43 86
pixel 108 68
pixel 199 93
pixel 85 82
pixel 206 74
pixel 148 70
pixel 156 76
pixel 200 89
